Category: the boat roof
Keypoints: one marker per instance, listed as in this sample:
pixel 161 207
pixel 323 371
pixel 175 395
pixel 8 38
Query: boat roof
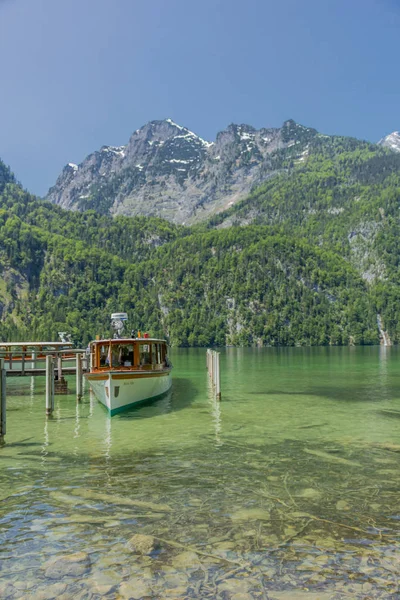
pixel 128 340
pixel 36 344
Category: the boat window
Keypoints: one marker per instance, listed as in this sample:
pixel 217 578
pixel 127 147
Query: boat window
pixel 127 355
pixel 103 355
pixel 158 352
pixel 144 354
pixel 121 355
pixel 153 354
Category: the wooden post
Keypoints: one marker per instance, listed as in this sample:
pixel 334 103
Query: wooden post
pixel 23 363
pixel 59 366
pixel 61 384
pixel 217 378
pixel 33 363
pixel 49 384
pixel 79 377
pixel 3 415
pixel 214 366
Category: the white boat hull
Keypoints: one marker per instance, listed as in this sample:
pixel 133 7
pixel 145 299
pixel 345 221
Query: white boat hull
pixel 119 390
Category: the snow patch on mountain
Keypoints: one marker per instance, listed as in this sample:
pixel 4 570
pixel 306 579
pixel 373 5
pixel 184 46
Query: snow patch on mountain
pixel 391 141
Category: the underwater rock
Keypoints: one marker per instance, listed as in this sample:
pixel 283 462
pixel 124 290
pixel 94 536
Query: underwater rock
pixel 142 544
pixel 71 565
pixel 223 546
pixel 176 584
pixel 235 586
pixel 103 582
pixel 186 560
pixel 6 590
pixel 251 514
pixel 134 589
pixel 49 592
pixel 309 493
pixel 342 505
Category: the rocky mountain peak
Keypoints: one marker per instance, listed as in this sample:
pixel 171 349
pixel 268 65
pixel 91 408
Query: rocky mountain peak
pixel 167 170
pixel 391 141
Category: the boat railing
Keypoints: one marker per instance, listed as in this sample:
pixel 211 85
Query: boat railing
pixel 156 367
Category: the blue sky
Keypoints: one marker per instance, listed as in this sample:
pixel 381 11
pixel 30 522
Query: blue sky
pixel 80 74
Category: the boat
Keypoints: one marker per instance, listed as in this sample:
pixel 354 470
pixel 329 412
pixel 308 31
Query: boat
pixel 127 371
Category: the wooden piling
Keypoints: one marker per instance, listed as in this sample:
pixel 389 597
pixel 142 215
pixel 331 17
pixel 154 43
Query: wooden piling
pixel 59 367
pixel 79 376
pixel 61 384
pixel 217 378
pixel 49 385
pixel 3 414
pixel 33 359
pixel 213 371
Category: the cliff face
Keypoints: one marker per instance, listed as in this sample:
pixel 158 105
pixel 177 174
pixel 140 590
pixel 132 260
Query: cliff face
pixel 168 171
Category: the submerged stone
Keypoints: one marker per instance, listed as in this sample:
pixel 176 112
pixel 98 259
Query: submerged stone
pixel 342 505
pixel 134 589
pixel 186 560
pixel 235 586
pixel 49 592
pixel 251 514
pixel 71 565
pixel 142 544
pixel 310 493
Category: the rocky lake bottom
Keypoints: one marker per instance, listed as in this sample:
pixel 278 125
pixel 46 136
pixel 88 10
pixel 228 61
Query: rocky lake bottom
pixel 286 489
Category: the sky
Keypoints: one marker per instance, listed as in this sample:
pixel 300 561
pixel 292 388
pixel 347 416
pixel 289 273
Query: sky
pixel 77 75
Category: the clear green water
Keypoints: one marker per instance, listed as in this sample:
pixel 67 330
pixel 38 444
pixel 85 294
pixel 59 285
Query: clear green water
pixel 287 488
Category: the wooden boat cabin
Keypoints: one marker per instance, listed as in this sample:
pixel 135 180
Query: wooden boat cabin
pixel 129 354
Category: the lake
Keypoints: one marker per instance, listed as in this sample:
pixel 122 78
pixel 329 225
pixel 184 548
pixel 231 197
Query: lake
pixel 286 489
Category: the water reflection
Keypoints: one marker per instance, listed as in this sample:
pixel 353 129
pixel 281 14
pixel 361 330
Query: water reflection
pixel 215 412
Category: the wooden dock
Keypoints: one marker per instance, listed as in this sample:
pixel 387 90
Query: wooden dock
pixel 24 363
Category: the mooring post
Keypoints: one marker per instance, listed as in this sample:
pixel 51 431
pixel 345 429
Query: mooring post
pixel 59 366
pixel 79 377
pixel 217 379
pixel 33 359
pixel 214 366
pixel 49 384
pixel 3 415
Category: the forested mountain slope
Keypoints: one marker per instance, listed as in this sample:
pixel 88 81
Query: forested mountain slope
pixel 345 195
pixel 242 285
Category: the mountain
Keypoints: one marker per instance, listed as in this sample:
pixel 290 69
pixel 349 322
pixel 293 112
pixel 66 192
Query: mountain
pixel 309 256
pixel 391 141
pixel 63 271
pixel 166 170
